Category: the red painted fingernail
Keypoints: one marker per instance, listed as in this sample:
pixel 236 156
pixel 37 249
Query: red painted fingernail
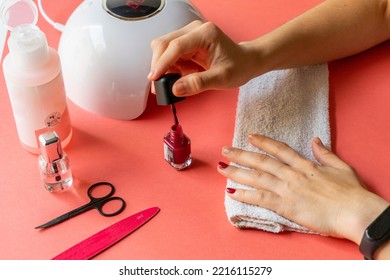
pixel 222 165
pixel 231 190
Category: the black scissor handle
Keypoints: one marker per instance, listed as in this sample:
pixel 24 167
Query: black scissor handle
pixel 98 184
pixel 100 206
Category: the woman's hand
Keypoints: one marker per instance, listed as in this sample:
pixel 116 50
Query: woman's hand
pixel 204 55
pixel 327 197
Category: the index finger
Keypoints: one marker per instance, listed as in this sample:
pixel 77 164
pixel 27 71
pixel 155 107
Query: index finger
pixel 168 49
pixel 277 149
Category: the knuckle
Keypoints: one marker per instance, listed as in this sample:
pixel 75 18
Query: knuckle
pixel 310 166
pixel 294 181
pixel 297 176
pixel 198 84
pixel 262 157
pixel 237 153
pixel 280 147
pixel 210 29
pixel 256 197
pixel 176 45
pixel 257 174
pixel 195 23
pixel 158 42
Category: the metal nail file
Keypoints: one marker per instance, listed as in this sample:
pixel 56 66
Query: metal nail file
pixel 102 240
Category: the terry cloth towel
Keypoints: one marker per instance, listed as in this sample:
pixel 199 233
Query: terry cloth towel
pixel 287 105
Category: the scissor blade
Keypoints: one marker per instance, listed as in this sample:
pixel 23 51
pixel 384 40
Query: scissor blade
pixel 54 221
pixel 102 240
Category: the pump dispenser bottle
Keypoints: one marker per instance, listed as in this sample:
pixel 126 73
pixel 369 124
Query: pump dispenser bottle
pixel 33 77
pixel 177 145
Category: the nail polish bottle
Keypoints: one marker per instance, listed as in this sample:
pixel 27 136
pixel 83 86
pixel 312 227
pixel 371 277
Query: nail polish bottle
pixel 54 163
pixel 177 145
pixel 33 76
pixel 177 148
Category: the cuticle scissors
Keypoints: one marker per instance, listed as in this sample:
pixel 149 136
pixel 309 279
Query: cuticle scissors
pixel 96 202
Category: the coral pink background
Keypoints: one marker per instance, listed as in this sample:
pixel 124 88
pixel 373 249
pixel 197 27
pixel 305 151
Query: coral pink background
pixel 192 223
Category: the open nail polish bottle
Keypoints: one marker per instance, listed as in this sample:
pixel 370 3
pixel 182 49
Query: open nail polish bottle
pixel 177 145
pixel 177 148
pixel 54 163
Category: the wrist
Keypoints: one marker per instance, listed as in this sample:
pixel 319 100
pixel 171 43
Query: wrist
pixel 360 216
pixel 383 252
pixel 376 235
pixel 259 61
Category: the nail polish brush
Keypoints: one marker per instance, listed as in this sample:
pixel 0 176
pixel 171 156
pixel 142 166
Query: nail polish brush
pixel 175 119
pixel 177 145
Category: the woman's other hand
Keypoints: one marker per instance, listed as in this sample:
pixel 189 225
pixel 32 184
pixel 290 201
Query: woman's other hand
pixel 327 197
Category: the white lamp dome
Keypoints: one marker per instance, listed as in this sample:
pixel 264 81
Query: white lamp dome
pixel 105 51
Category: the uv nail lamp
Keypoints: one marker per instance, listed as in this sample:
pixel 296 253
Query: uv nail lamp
pixel 105 51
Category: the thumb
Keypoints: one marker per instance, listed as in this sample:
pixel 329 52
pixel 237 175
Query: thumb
pixel 325 156
pixel 197 82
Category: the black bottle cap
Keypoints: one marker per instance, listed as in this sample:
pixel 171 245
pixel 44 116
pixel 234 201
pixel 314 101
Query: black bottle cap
pixel 163 87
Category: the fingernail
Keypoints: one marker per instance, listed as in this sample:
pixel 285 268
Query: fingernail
pixel 222 165
pixel 226 150
pixel 318 141
pixel 180 88
pixel 230 190
pixel 251 137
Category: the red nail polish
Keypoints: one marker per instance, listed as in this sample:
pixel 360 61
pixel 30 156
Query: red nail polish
pixel 222 165
pixel 177 148
pixel 177 145
pixel 231 190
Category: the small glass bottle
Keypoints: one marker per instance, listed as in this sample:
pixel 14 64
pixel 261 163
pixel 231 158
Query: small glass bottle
pixel 177 148
pixel 54 163
pixel 33 76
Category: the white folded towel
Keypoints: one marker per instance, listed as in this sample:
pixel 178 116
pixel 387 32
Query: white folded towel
pixel 287 105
